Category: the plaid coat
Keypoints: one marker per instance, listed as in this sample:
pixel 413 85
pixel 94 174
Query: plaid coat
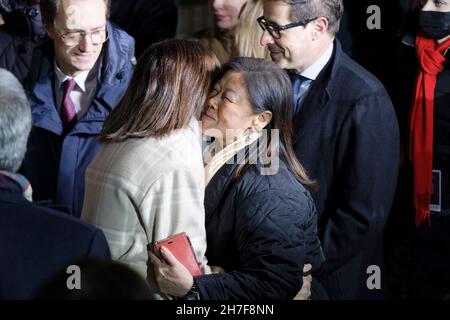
pixel 143 190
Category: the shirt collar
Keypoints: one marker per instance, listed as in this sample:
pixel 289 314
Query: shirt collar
pixel 80 79
pixel 313 70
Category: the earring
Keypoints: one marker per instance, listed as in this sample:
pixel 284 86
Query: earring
pixel 253 132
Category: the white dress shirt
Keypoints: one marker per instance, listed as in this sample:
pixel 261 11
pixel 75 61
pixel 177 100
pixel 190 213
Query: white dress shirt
pixel 301 83
pixel 83 92
pixel 313 70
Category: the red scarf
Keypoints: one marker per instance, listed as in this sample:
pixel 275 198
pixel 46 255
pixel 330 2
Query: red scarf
pixel 431 61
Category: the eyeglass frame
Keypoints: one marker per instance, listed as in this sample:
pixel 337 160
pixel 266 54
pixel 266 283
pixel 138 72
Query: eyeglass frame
pixel 278 29
pixel 82 35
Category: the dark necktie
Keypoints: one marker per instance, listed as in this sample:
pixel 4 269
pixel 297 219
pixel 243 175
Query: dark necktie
pixel 68 113
pixel 300 85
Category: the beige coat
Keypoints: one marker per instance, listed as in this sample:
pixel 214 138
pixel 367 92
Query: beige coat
pixel 144 190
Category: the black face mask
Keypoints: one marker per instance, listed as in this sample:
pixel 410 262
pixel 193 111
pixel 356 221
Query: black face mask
pixel 434 24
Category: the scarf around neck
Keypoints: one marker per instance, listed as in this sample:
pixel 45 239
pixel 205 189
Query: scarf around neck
pixel 431 61
pixel 16 183
pixel 215 160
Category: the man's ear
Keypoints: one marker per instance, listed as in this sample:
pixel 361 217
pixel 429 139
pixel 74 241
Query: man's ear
pixel 320 25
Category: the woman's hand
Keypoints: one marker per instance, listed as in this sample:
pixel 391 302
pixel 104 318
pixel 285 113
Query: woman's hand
pixel 217 269
pixel 171 275
pixel 305 291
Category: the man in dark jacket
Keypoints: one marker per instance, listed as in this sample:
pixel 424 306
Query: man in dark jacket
pixel 346 136
pixel 75 81
pixel 35 242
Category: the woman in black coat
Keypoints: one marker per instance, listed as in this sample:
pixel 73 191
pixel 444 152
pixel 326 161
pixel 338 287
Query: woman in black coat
pixel 260 219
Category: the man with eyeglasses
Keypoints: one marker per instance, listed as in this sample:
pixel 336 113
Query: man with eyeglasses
pixel 346 136
pixel 76 78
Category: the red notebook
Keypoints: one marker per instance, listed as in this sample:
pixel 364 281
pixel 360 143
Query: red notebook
pixel 180 246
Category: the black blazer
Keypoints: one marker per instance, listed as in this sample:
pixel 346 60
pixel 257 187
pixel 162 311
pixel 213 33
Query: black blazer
pixel 37 242
pixel 347 138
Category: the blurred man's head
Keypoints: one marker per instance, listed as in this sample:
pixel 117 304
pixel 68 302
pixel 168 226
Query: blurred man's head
pixel 297 32
pixel 15 122
pixel 100 280
pixel 78 30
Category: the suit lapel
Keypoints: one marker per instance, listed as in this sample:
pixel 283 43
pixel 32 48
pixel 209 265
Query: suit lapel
pixel 312 105
pixel 317 97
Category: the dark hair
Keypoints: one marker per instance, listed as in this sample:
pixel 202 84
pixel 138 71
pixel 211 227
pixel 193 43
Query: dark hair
pixel 418 4
pixel 49 10
pixel 169 87
pixel 310 9
pixel 99 280
pixel 269 89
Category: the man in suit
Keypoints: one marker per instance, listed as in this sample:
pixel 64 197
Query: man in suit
pixel 346 136
pixel 77 76
pixel 35 242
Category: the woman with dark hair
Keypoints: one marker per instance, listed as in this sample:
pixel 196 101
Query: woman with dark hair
pixel 146 183
pixel 260 219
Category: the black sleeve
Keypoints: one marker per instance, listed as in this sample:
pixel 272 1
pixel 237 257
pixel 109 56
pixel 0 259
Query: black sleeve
pixel 367 168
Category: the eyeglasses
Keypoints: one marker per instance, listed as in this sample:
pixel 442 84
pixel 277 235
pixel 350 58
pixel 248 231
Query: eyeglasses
pixel 73 38
pixel 275 30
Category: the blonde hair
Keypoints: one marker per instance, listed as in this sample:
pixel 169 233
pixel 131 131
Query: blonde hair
pixel 248 32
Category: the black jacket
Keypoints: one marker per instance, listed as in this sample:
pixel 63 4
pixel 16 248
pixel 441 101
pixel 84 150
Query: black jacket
pixel 261 229
pixel 347 138
pixel 37 242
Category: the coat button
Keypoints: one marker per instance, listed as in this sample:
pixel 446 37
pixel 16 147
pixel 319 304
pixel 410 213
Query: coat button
pixel 120 75
pixel 33 12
